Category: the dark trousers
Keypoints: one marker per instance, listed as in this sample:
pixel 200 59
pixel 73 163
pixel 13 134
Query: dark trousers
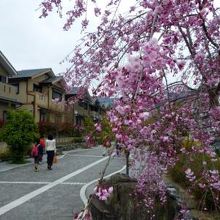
pixel 40 152
pixel 36 159
pixel 50 156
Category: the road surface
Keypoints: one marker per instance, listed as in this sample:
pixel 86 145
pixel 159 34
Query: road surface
pixel 45 195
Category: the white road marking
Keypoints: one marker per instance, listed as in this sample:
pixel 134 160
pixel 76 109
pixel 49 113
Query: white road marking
pixel 40 183
pixel 22 182
pixel 80 150
pixel 80 155
pixel 83 189
pixel 39 191
pixel 69 183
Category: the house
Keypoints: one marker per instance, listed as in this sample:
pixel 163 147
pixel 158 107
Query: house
pixel 105 102
pixel 42 93
pixel 8 93
pixel 81 107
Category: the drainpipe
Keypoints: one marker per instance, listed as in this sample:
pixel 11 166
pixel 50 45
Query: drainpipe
pixel 34 102
pixel 48 103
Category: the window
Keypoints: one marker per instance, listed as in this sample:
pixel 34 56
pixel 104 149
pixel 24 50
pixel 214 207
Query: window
pixel 58 119
pixel 3 79
pixel 43 117
pixel 16 85
pixel 57 95
pixel 37 88
pixel 5 116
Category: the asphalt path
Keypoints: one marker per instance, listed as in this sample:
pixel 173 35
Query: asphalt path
pixel 45 195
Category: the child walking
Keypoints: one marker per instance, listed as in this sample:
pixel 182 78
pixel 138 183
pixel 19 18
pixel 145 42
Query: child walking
pixel 35 155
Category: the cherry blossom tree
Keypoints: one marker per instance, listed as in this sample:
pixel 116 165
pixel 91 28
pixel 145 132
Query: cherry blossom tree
pixel 133 55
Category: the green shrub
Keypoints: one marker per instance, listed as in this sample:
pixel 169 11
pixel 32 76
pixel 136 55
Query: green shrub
pixel 88 125
pixel 197 162
pixel 99 140
pixel 78 140
pixel 19 132
pixel 46 128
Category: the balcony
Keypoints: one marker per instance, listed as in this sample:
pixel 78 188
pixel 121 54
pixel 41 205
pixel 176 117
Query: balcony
pixel 82 111
pixel 41 100
pixel 8 92
pixel 57 106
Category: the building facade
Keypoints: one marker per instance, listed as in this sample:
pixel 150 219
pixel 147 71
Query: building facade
pixel 82 107
pixel 8 93
pixel 42 93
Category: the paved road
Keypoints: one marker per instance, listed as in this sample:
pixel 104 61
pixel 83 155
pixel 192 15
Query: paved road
pixel 45 195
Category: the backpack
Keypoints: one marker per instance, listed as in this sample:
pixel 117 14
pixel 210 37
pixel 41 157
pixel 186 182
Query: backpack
pixel 34 151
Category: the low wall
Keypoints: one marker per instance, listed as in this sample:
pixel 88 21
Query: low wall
pixel 64 140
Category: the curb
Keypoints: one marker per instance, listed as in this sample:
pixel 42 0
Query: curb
pixel 84 188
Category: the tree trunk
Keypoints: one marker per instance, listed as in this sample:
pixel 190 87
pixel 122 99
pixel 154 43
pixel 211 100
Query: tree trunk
pixel 127 153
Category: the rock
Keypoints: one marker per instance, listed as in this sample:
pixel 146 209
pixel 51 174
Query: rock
pixel 124 205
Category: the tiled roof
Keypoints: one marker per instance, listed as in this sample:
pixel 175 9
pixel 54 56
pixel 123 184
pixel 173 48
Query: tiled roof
pixel 52 79
pixel 74 90
pixel 7 65
pixel 105 101
pixel 31 72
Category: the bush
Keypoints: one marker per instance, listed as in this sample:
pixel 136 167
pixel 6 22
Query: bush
pixel 19 132
pixel 1 123
pixel 78 139
pixel 78 131
pixel 66 129
pixel 61 129
pixel 195 161
pixel 46 128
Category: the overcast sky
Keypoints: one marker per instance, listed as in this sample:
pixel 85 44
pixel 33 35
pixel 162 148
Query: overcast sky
pixel 29 42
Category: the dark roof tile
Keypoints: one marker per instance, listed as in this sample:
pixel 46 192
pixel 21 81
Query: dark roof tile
pixel 31 72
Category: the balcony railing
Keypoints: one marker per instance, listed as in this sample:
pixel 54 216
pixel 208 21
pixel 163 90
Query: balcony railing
pixel 41 100
pixel 81 110
pixel 57 106
pixel 8 91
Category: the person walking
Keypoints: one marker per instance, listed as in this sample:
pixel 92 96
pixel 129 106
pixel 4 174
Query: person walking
pixel 118 149
pixel 41 148
pixel 35 155
pixel 51 150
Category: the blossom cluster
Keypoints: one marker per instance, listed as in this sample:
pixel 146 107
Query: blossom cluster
pixel 134 56
pixel 103 192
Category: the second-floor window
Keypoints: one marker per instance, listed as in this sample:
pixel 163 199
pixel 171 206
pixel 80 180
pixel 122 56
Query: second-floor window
pixel 16 85
pixel 37 88
pixel 43 117
pixel 57 95
pixel 3 79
